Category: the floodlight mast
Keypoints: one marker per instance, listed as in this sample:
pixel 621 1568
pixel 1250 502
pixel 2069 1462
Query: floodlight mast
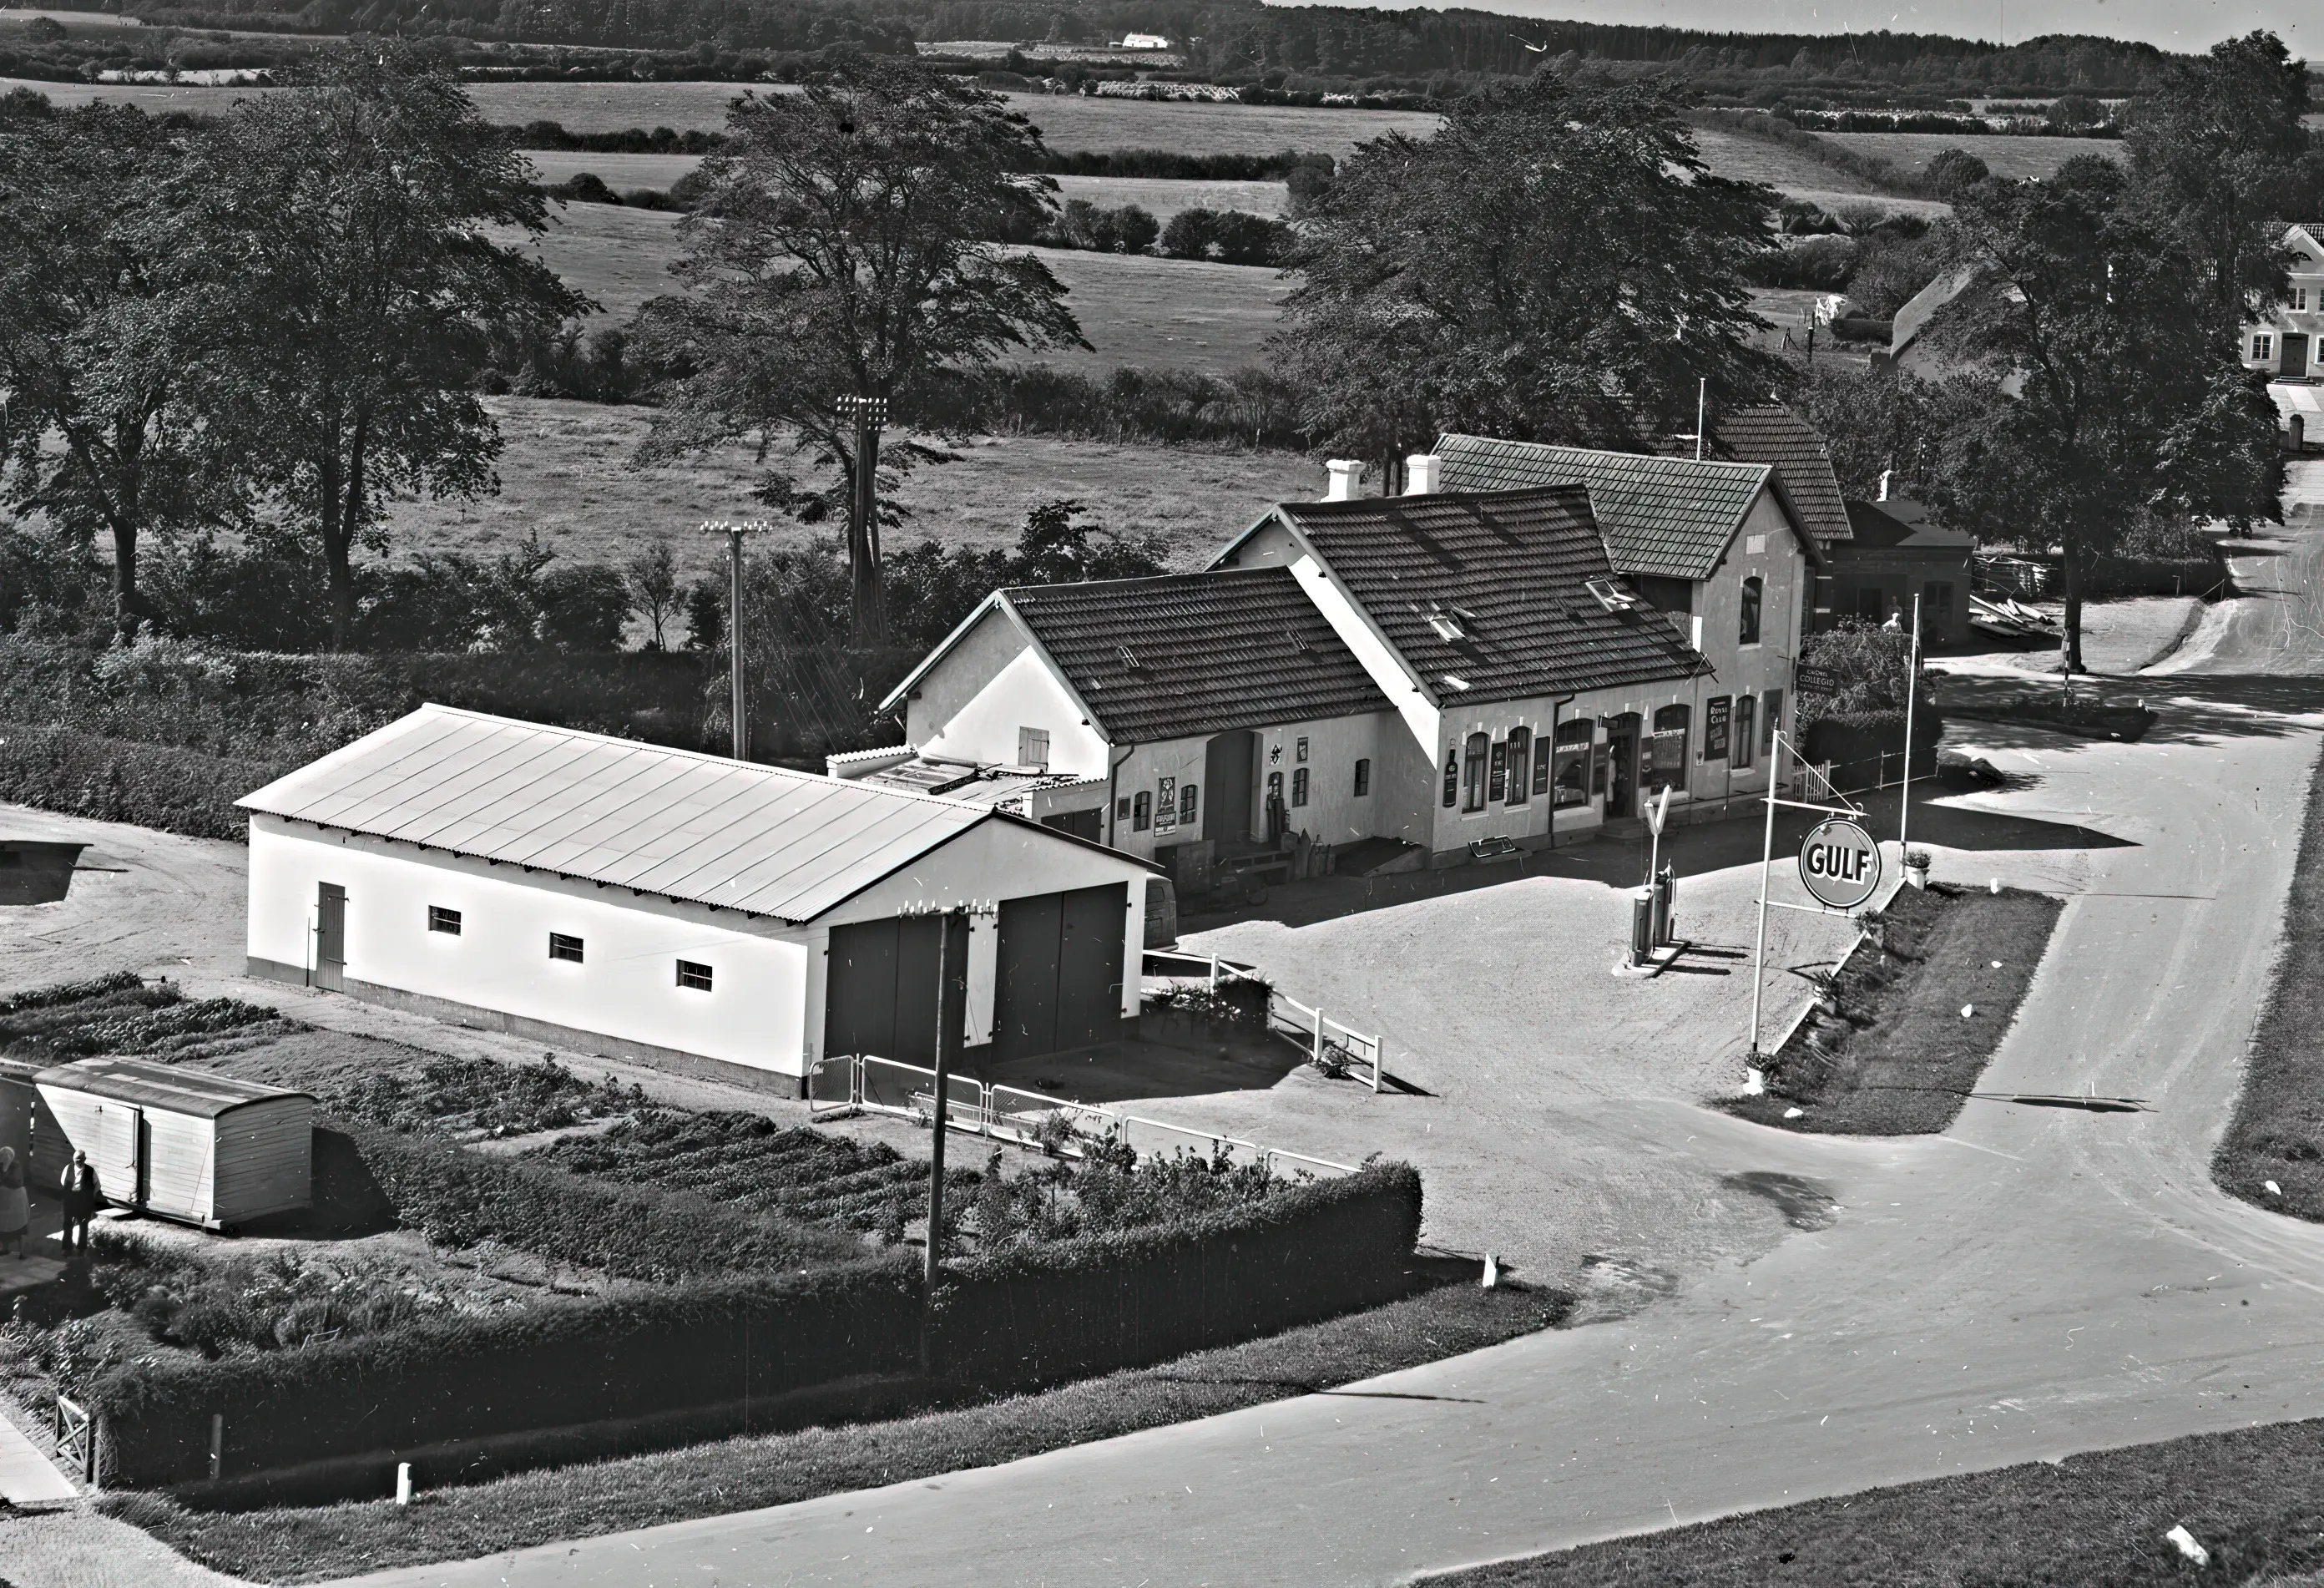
pixel 739 704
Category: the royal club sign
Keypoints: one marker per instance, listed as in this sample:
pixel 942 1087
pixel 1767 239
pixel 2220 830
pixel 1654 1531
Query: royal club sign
pixel 1840 863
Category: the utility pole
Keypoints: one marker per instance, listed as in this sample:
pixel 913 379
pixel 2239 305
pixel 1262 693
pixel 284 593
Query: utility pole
pixel 948 1033
pixel 868 414
pixel 739 703
pixel 1912 688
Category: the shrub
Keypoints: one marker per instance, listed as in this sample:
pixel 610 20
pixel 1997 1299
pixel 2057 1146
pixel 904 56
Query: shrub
pixel 480 1097
pixel 119 780
pixel 1230 236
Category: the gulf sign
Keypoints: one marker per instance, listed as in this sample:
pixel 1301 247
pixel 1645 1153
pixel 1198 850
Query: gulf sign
pixel 1840 863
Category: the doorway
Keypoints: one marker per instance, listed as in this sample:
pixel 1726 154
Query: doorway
pixel 880 994
pixel 331 938
pixel 1058 980
pixel 2295 354
pixel 1228 761
pixel 1622 765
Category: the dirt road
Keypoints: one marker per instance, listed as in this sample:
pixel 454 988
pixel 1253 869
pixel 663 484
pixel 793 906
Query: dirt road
pixel 2038 1280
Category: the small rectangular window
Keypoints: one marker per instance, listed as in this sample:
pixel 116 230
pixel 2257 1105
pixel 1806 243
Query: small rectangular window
pixel 440 919
pixel 1141 811
pixel 1363 777
pixel 693 976
pixel 1748 623
pixel 1121 808
pixel 1033 747
pixel 1188 795
pixel 1299 785
pixel 564 947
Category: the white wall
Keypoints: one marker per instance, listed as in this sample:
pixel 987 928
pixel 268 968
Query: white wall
pixel 1782 566
pixel 1332 814
pixel 995 681
pixel 626 986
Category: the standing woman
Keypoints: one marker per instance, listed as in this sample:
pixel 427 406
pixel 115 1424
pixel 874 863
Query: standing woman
pixel 16 1208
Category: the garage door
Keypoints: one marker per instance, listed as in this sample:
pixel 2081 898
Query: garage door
pixel 879 998
pixel 1058 977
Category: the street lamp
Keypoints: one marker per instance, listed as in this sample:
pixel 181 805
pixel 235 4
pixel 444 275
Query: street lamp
pixel 740 703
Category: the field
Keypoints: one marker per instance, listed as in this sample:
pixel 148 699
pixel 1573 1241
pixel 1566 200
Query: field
pixel 1165 196
pixel 562 474
pixel 2007 156
pixel 1793 174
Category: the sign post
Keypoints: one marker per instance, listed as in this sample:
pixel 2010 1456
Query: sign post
pixel 1838 863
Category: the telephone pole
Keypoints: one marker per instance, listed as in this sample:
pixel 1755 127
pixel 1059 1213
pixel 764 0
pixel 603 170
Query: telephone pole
pixel 739 701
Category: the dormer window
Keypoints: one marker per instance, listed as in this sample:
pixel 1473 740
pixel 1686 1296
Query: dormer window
pixel 1446 629
pixel 1611 595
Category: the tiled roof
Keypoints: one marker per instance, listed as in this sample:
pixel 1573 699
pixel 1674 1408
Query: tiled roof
pixel 1505 572
pixel 1666 516
pixel 1789 445
pixel 702 828
pixel 1183 654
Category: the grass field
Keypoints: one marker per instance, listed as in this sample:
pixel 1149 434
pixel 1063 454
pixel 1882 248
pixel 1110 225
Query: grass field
pixel 2007 156
pixel 2249 1497
pixel 302 1545
pixel 1135 309
pixel 562 474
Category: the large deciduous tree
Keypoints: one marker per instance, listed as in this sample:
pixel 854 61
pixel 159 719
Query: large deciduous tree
pixel 841 251
pixel 2128 400
pixel 1557 264
pixel 97 438
pixel 338 249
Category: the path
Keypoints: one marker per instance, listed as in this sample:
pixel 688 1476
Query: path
pixel 2036 1281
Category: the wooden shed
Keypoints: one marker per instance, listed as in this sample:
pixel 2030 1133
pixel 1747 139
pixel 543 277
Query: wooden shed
pixel 186 1144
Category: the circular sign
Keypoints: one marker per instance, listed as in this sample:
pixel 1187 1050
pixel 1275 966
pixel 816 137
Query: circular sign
pixel 1840 863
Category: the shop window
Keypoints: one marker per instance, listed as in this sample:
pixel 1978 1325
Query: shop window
pixel 440 919
pixel 1520 757
pixel 1478 752
pixel 1363 777
pixel 1745 742
pixel 1033 747
pixel 1451 776
pixel 1716 715
pixel 1771 720
pixel 1747 628
pixel 1572 757
pixel 1188 793
pixel 1665 757
pixel 1142 812
pixel 565 946
pixel 695 978
pixel 1497 781
pixel 1299 785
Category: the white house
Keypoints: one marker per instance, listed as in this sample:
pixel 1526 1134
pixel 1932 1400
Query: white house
pixel 706 915
pixel 2287 343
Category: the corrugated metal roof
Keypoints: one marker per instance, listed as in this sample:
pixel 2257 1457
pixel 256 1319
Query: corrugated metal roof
pixel 1491 591
pixel 1187 654
pixel 759 839
pixel 203 1094
pixel 1670 517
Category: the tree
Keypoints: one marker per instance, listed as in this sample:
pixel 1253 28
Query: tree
pixel 840 251
pixel 349 293
pixel 653 576
pixel 1557 264
pixel 2222 160
pixel 97 435
pixel 2126 401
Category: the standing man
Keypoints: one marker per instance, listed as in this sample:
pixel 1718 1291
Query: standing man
pixel 81 1196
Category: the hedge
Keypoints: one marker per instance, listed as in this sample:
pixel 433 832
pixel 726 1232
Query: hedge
pixel 638 1231
pixel 123 781
pixel 1018 1319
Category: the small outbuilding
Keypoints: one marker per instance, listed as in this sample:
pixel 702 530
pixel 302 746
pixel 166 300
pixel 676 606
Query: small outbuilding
pixel 178 1143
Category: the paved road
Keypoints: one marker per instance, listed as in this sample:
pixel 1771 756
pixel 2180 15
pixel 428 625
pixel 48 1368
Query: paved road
pixel 2036 1281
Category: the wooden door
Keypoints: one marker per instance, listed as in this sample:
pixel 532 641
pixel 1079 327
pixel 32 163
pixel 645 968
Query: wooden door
pixel 1089 965
pixel 1227 768
pixel 331 936
pixel 1025 977
pixel 117 1150
pixel 879 998
pixel 2295 355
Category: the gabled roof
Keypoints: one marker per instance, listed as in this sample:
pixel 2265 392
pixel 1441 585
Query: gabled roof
pixel 1672 517
pixel 168 1089
pixel 1490 590
pixel 759 839
pixel 1789 445
pixel 1187 654
pixel 1901 523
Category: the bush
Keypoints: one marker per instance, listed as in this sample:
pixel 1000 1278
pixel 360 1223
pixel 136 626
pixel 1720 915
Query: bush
pixel 119 780
pixel 479 1097
pixel 1229 236
pixel 1127 229
pixel 122 1014
pixel 1811 263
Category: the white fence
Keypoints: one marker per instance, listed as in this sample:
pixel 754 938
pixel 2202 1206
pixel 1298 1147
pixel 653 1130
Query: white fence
pixel 1029 1119
pixel 1329 1044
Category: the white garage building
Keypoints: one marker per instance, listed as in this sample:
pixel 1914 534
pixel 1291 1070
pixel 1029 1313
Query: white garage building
pixel 706 915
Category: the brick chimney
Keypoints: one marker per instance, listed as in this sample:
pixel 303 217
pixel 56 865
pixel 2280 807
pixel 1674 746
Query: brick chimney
pixel 1424 475
pixel 1344 473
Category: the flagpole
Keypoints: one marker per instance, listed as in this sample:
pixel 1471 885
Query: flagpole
pixel 1753 1068
pixel 1912 688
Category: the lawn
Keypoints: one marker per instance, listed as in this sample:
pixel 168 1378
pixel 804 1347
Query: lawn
pixel 562 474
pixel 2253 1498
pixel 1915 1016
pixel 2277 1133
pixel 1135 309
pixel 2007 156
pixel 307 1544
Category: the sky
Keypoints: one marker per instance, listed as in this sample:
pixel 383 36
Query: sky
pixel 2172 25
